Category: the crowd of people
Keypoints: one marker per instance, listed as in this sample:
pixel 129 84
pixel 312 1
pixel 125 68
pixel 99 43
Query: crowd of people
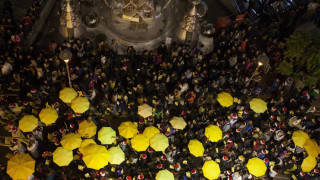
pixel 177 81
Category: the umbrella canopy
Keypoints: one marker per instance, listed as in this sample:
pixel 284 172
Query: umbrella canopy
pixel 150 131
pixel 28 123
pixel 308 164
pixel 20 166
pixel 225 99
pixel 258 105
pixel 299 138
pixel 71 141
pixel 80 105
pixel 145 110
pixel 62 157
pixel 127 129
pixel 159 142
pixel 164 175
pixel 85 143
pixel 213 133
pixel 106 135
pixel 178 123
pixel 116 155
pixel 211 170
pixel 139 142
pixel 48 116
pixel 67 95
pixel 311 147
pixel 196 148
pixel 256 167
pixel 95 156
pixel 87 129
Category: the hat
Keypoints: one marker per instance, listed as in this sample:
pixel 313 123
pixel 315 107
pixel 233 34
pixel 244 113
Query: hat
pixel 271 129
pixel 11 105
pixel 159 166
pixel 167 133
pixel 78 114
pixel 234 115
pixel 128 178
pixel 141 121
pixel 229 172
pixel 284 109
pixel 124 67
pixel 119 178
pixel 46 153
pixel 163 157
pixel 168 111
pixel 238 130
pixel 183 113
pixel 304 93
pixel 177 165
pixel 305 117
pixel 30 136
pixel 150 118
pixel 246 111
pixel 57 143
pixel 140 176
pixel 10 124
pixel 150 150
pixel 62 130
pixel 225 158
pixel 316 171
pixel 72 125
pixel 266 160
pixel 272 117
pixel 229 178
pixel 264 151
pixel 276 124
pixel 56 104
pixel 55 133
pixel 124 142
pixel 33 90
pixel 144 156
pixel 193 171
pixel 241 157
pixel 140 132
pixel 15 152
pixel 14 140
pixel 25 103
pixel 263 141
pixel 302 173
pixel 228 134
pixel 219 123
pixel 14 129
pixel 229 140
pixel 102 173
pixel 274 108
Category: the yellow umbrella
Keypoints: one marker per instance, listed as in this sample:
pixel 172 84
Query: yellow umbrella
pixel 299 138
pixel 95 156
pixel 48 116
pixel 150 131
pixel 20 166
pixel 308 164
pixel 196 148
pixel 28 123
pixel 85 143
pixel 311 147
pixel 106 135
pixel 139 142
pixel 178 123
pixel 71 141
pixel 145 110
pixel 213 133
pixel 87 129
pixel 67 95
pixel 62 157
pixel 159 142
pixel 225 99
pixel 116 155
pixel 164 175
pixel 80 105
pixel 258 105
pixel 127 129
pixel 256 167
pixel 211 170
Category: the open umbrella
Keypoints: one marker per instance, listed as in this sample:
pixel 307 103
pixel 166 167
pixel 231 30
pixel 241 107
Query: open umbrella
pixel 28 123
pixel 127 129
pixel 139 142
pixel 308 164
pixel 62 157
pixel 256 167
pixel 211 170
pixel 48 116
pixel 145 110
pixel 150 131
pixel 213 133
pixel 164 175
pixel 87 129
pixel 67 95
pixel 71 141
pixel 159 142
pixel 196 148
pixel 311 147
pixel 225 99
pixel 116 155
pixel 106 135
pixel 85 143
pixel 178 123
pixel 80 105
pixel 299 138
pixel 95 156
pixel 20 166
pixel 258 105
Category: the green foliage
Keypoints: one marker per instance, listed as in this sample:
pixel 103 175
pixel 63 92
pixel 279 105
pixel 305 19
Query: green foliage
pixel 302 53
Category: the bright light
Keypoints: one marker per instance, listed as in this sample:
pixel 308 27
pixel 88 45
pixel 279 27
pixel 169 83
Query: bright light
pixel 66 60
pixel 260 64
